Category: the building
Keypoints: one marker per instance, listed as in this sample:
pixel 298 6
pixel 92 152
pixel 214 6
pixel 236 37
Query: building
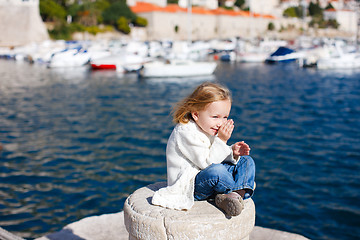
pixel 161 3
pixel 19 2
pixel 208 4
pixel 264 6
pixel 20 23
pixel 347 19
pixel 175 23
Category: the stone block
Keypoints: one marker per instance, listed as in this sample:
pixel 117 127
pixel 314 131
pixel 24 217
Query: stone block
pixel 203 221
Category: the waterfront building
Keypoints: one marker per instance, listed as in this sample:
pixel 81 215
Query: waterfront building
pixel 208 4
pixel 19 2
pixel 20 23
pixel 264 7
pixel 347 19
pixel 173 22
pixel 161 3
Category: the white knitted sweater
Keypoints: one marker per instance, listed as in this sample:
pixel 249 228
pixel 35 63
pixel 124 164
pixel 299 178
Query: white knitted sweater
pixel 189 150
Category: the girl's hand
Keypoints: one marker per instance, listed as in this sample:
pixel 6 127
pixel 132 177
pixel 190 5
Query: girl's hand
pixel 226 130
pixel 240 149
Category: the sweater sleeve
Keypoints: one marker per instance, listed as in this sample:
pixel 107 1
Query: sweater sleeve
pixel 200 151
pixel 230 158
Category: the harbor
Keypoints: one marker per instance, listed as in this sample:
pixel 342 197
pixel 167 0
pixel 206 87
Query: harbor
pixel 84 122
pixel 76 143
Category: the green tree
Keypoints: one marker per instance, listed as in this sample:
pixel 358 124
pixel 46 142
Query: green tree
pixel 292 12
pixel 240 4
pixel 141 22
pixel 89 12
pixel 271 26
pixel 221 3
pixel 315 10
pixel 117 10
pixel 123 25
pixel 51 11
pixel 329 6
pixel 332 23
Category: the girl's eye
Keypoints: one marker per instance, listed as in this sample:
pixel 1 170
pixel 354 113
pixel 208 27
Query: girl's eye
pixel 215 117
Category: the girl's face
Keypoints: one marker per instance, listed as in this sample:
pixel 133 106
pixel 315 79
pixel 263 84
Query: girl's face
pixel 213 116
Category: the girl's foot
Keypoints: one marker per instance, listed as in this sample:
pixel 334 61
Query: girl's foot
pixel 231 203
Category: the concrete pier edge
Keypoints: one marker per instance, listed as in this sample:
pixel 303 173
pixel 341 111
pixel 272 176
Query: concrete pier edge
pixel 111 226
pixel 140 218
pixel 118 225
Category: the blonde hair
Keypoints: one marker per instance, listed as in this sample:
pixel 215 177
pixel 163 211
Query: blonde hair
pixel 203 95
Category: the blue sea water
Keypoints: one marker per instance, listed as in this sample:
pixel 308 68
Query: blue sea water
pixel 76 143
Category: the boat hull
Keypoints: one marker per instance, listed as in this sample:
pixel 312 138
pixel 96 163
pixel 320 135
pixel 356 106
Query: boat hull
pixel 121 62
pixel 348 61
pixel 178 69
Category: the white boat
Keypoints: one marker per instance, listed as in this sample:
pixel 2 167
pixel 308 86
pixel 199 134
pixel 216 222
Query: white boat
pixel 226 45
pixel 252 57
pixel 122 62
pixel 177 68
pixel 76 54
pixel 258 52
pixel 69 58
pixel 185 50
pixel 284 54
pixel 252 51
pixel 312 55
pixel 345 61
pixel 339 59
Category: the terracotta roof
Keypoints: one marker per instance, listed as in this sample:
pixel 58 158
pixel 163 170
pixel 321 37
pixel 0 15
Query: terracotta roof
pixel 142 7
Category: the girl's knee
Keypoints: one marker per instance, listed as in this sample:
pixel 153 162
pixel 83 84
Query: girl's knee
pixel 250 161
pixel 215 169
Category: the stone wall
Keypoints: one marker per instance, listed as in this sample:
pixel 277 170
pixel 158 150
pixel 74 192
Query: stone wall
pixel 20 25
pixel 162 25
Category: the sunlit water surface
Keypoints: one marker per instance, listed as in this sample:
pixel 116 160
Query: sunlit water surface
pixel 76 143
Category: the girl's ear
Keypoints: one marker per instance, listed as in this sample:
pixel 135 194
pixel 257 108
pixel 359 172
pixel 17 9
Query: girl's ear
pixel 195 115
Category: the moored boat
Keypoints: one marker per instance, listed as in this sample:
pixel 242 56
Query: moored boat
pixel 177 68
pixel 344 61
pixel 284 54
pixel 339 59
pixel 119 62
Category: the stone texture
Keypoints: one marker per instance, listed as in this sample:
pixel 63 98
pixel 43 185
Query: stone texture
pixel 103 227
pixel 21 25
pixel 203 221
pixel 113 227
pixel 260 233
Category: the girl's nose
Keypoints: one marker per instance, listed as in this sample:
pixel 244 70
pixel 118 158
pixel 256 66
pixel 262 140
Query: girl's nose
pixel 220 123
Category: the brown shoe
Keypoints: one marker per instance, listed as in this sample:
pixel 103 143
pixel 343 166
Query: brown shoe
pixel 230 203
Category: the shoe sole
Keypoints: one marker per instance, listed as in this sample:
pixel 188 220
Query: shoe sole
pixel 231 206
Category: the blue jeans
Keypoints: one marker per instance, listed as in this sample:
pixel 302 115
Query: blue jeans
pixel 225 177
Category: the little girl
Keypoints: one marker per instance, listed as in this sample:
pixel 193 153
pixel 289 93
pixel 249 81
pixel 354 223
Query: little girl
pixel 200 165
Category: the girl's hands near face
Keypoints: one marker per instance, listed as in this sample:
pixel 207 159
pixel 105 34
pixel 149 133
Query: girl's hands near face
pixel 226 130
pixel 240 149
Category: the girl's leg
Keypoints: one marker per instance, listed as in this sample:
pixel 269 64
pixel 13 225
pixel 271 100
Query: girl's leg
pixel 244 176
pixel 216 181
pixel 213 180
